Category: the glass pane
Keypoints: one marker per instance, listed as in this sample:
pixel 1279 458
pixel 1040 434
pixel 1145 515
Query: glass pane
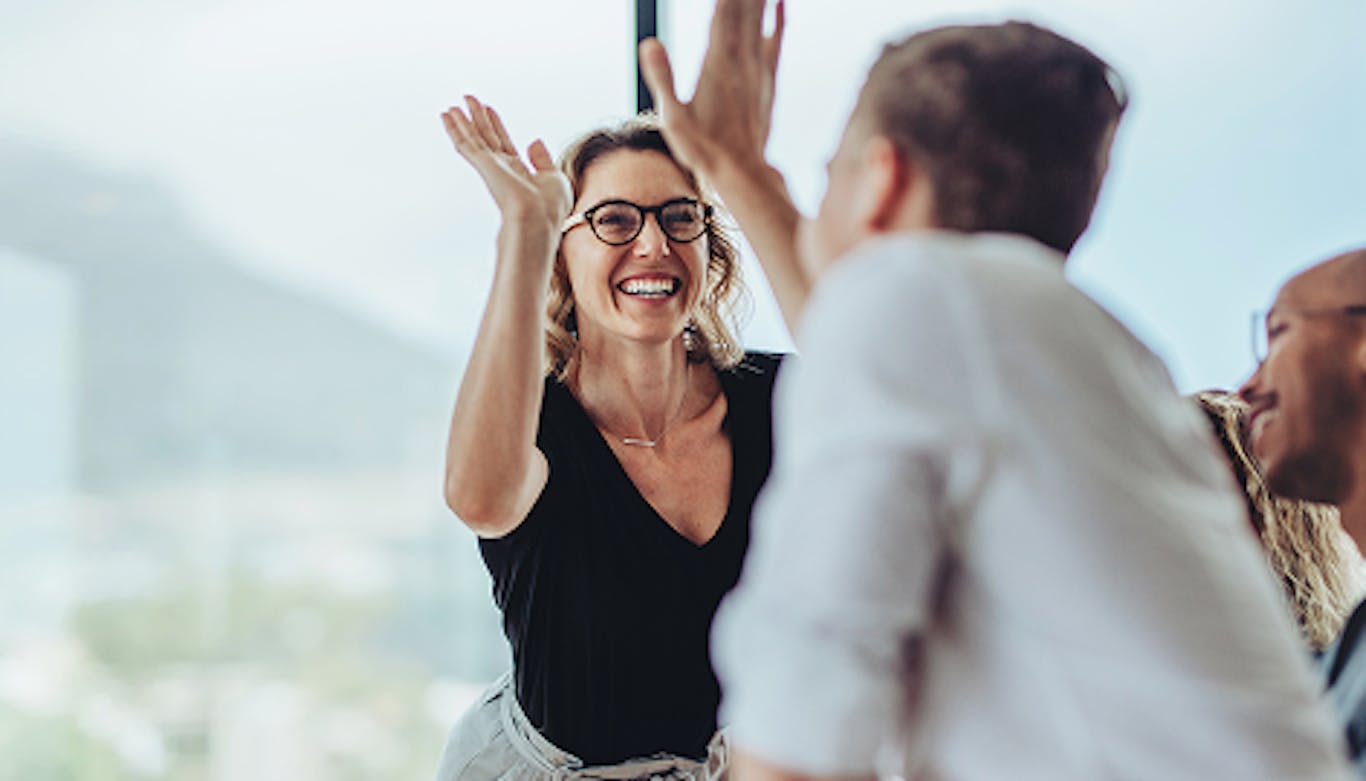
pixel 240 269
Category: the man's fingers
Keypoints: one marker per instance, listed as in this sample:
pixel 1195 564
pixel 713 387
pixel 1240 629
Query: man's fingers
pixel 773 44
pixel 659 77
pixel 737 26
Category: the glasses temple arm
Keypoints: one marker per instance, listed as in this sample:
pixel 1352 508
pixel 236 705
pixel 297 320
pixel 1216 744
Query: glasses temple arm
pixel 572 221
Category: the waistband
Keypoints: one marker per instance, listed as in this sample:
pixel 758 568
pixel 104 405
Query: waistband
pixel 564 766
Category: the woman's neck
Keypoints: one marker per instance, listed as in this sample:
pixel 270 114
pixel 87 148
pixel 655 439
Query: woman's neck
pixel 635 391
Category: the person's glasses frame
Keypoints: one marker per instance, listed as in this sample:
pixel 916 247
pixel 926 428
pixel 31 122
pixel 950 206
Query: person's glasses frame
pixel 1261 328
pixel 692 233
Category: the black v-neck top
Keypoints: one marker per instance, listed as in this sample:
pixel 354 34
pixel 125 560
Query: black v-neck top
pixel 606 606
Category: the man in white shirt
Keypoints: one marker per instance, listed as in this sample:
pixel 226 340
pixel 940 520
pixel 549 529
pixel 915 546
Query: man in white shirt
pixel 996 544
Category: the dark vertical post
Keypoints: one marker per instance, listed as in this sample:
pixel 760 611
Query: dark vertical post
pixel 647 26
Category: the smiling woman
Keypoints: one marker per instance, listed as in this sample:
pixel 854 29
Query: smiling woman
pixel 634 157
pixel 607 444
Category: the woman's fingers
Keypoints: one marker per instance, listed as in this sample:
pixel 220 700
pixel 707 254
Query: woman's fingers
pixel 540 156
pixel 504 138
pixel 479 119
pixel 481 131
pixel 482 139
pixel 458 128
pixel 553 184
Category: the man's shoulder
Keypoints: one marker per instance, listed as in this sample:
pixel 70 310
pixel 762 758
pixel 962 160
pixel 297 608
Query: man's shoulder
pixel 900 263
pixel 918 279
pixel 880 277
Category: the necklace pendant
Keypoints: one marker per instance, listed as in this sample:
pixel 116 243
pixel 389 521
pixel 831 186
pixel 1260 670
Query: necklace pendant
pixel 638 442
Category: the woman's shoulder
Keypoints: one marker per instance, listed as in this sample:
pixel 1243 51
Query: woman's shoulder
pixel 557 400
pixel 753 375
pixel 563 427
pixel 555 390
pixel 757 364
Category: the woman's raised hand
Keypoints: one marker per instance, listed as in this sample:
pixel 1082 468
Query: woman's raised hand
pixel 539 194
pixel 493 470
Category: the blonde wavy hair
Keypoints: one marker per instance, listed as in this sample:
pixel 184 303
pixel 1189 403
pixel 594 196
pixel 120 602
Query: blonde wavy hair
pixel 711 334
pixel 1317 562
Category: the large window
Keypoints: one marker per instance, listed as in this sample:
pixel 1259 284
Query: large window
pixel 240 268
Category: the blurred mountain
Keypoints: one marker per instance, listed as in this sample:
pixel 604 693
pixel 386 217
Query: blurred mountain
pixel 188 364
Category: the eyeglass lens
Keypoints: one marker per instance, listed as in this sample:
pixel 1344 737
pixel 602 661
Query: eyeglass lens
pixel 618 223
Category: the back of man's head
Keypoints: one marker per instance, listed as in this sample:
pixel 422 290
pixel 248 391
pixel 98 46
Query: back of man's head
pixel 1012 124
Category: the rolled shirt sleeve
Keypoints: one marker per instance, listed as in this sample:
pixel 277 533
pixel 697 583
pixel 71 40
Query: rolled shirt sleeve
pixel 849 536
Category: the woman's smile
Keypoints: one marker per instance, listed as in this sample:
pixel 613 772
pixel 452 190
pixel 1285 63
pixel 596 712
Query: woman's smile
pixel 651 286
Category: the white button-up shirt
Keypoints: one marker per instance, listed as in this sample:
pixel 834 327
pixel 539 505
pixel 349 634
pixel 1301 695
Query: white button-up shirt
pixel 998 545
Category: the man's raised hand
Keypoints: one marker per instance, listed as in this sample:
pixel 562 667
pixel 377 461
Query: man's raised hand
pixel 725 124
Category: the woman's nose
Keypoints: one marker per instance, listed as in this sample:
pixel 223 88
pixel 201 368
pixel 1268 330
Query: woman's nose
pixel 651 237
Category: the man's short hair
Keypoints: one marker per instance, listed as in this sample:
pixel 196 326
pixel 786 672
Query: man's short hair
pixel 1011 122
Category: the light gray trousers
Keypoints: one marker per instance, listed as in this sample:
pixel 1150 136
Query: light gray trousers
pixel 494 741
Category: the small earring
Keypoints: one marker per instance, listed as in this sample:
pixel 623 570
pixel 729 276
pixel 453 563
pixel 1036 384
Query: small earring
pixel 692 337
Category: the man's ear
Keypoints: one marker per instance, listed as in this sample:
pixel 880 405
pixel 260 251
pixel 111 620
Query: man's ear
pixel 887 187
pixel 880 186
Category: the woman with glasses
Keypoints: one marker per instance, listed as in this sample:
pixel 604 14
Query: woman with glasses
pixel 608 441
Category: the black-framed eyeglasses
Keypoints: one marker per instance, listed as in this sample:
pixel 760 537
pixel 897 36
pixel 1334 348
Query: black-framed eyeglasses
pixel 1261 325
pixel 620 222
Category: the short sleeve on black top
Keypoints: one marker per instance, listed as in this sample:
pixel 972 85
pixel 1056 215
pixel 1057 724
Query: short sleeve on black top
pixel 606 606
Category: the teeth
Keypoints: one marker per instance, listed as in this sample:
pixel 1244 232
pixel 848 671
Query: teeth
pixel 1258 429
pixel 1259 425
pixel 648 287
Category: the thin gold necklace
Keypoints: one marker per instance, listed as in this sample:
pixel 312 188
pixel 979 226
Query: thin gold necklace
pixel 677 416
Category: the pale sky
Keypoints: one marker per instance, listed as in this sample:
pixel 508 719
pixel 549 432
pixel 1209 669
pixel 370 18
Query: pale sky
pixel 303 135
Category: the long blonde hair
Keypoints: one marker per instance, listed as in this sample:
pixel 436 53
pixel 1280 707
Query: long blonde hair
pixel 711 334
pixel 1317 562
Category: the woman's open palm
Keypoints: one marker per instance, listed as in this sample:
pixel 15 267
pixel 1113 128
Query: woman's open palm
pixel 540 192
